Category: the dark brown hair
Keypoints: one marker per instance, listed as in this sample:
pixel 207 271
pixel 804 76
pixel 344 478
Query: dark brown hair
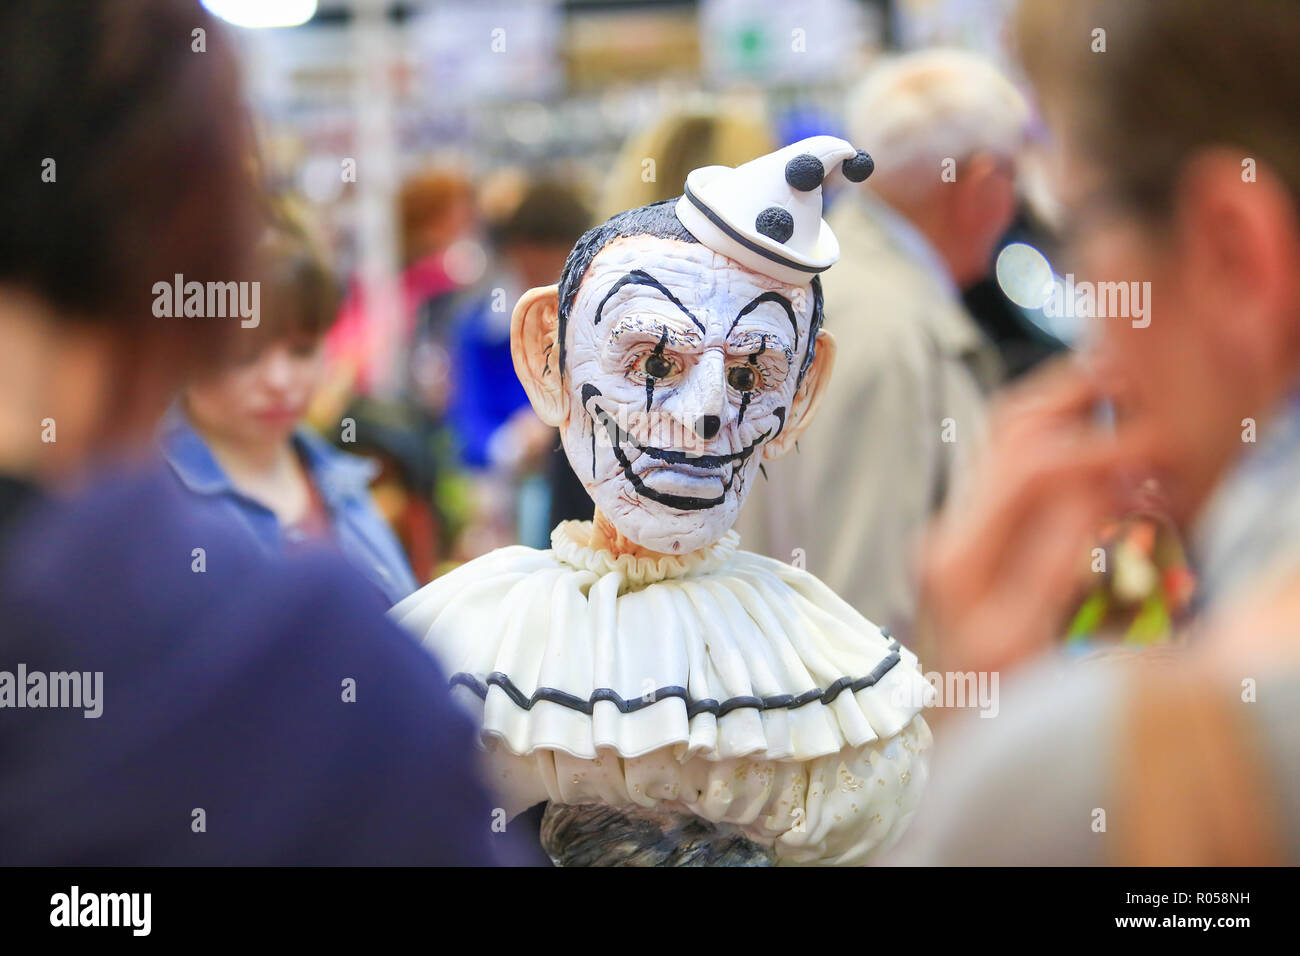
pixel 550 212
pixel 126 159
pixel 299 294
pixel 1176 76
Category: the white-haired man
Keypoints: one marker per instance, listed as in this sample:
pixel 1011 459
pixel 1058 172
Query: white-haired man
pixel 907 411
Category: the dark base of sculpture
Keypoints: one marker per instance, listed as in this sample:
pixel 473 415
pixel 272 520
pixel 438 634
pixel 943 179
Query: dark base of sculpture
pixel 594 834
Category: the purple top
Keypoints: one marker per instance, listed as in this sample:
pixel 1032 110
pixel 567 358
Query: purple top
pixel 225 676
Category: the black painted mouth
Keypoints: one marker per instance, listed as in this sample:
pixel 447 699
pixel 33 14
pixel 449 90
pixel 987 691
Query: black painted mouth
pixel 681 502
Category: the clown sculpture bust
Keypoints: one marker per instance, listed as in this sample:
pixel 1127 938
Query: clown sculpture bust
pixel 678 700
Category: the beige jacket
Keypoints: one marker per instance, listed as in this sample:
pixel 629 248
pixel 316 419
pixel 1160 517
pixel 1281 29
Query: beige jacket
pixel 904 411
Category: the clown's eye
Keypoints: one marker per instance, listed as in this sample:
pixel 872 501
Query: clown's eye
pixel 656 366
pixel 743 378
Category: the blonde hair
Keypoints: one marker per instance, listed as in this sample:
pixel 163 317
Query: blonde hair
pixel 683 140
pixel 913 111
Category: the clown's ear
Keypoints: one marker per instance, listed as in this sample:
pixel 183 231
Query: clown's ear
pixel 806 400
pixel 534 337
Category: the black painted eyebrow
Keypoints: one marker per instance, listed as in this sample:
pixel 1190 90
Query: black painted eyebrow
pixel 641 277
pixel 776 297
pixel 658 327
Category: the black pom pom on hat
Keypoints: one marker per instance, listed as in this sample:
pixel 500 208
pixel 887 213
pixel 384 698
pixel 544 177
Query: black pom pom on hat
pixel 766 214
pixel 805 172
pixel 775 223
pixel 859 167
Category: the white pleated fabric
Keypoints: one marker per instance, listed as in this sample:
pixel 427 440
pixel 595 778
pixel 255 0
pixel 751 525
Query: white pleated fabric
pixel 720 622
pixel 615 641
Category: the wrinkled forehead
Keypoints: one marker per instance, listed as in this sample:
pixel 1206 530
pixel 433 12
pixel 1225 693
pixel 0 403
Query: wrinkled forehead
pixel 703 283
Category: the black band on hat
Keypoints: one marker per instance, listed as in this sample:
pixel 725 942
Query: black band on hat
pixel 745 241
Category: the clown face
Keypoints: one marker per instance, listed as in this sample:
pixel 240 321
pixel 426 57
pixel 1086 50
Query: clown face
pixel 681 369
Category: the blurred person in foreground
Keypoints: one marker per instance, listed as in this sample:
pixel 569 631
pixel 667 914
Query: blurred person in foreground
pixel 235 438
pixel 899 427
pixel 186 699
pixel 1179 155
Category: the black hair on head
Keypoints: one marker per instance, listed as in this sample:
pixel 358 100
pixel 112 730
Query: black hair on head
pixel 659 219
pixel 814 326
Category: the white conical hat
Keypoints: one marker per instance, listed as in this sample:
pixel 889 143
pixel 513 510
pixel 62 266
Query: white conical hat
pixel 767 213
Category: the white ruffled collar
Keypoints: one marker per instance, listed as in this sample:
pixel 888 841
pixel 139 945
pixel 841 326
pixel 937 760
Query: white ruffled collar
pixel 721 653
pixel 569 543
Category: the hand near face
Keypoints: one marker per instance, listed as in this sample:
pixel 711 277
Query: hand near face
pixel 1008 559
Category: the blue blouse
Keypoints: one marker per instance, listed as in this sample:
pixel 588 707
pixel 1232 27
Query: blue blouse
pixel 487 389
pixel 342 480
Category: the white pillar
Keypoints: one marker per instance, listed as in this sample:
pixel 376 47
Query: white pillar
pixel 375 46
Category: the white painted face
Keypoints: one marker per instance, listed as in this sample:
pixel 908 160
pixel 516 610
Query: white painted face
pixel 680 366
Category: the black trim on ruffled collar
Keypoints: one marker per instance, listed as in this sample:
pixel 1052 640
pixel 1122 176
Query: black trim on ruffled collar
pixel 693 708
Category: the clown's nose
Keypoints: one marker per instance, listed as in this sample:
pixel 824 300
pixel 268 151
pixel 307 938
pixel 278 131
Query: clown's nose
pixel 706 426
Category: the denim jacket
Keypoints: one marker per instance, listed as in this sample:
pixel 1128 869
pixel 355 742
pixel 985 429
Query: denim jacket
pixel 344 485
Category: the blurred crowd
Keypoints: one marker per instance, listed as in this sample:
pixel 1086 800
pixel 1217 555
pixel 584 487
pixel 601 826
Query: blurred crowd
pixel 999 501
pixel 465 466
